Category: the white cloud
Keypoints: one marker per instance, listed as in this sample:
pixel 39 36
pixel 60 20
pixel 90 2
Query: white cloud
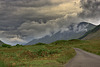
pixel 38 30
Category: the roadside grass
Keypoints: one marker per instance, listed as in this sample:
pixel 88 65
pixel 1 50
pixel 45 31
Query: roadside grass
pixel 92 46
pixel 39 55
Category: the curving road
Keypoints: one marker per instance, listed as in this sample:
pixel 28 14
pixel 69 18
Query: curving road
pixel 84 59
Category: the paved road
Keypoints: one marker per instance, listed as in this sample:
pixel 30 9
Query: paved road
pixel 84 59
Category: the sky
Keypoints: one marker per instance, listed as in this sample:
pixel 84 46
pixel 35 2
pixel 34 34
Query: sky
pixel 24 20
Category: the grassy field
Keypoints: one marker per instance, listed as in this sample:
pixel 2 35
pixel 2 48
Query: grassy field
pixel 55 54
pixel 40 55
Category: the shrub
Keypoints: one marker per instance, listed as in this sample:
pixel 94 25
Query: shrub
pixel 40 44
pixel 54 51
pixel 6 45
pixel 45 52
pixel 42 52
pixel 75 40
pixel 59 42
pixel 27 53
pixel 18 45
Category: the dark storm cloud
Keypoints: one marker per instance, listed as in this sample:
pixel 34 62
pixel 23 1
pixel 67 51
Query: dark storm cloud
pixel 28 3
pixel 15 12
pixel 91 9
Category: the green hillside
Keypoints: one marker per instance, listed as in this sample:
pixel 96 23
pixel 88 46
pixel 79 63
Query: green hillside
pixel 92 34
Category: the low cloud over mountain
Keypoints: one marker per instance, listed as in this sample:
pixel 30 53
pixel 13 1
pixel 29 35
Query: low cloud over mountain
pixel 22 20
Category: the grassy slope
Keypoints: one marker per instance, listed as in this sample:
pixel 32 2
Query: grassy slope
pixel 92 34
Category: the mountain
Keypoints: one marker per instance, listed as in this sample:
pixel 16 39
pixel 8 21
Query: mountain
pixel 74 32
pixel 1 43
pixel 92 34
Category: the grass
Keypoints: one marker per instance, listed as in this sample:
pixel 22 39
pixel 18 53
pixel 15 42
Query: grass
pixel 55 54
pixel 2 64
pixel 39 55
pixel 92 46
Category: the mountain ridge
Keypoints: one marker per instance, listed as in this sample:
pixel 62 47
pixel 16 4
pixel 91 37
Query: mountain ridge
pixel 75 31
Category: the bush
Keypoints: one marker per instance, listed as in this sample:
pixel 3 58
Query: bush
pixel 18 45
pixel 59 42
pixel 42 52
pixel 75 40
pixel 40 44
pixel 45 52
pixel 54 51
pixel 6 45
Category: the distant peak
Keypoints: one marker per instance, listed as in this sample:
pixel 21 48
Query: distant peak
pixel 81 23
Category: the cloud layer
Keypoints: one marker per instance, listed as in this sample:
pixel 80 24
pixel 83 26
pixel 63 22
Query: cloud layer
pixel 91 11
pixel 23 20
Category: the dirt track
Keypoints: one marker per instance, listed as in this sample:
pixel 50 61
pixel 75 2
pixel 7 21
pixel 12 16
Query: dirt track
pixel 84 59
